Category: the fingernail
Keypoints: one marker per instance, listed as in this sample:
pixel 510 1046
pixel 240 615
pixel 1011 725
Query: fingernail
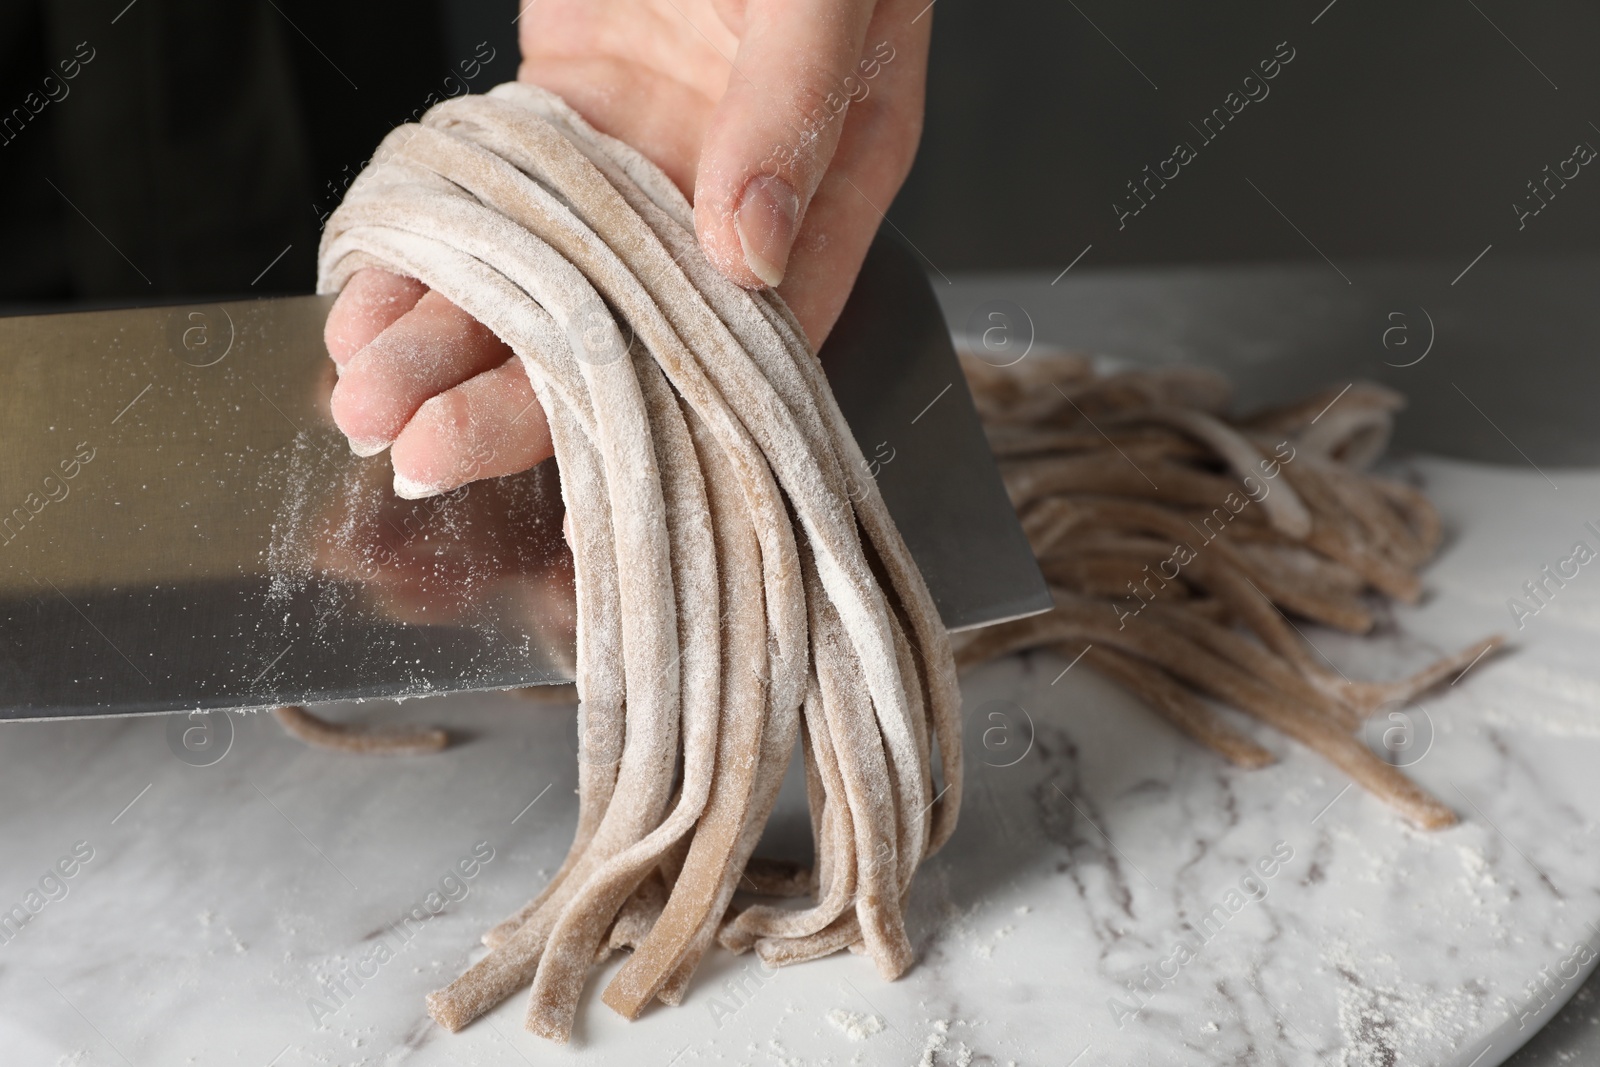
pixel 766 220
pixel 367 446
pixel 411 489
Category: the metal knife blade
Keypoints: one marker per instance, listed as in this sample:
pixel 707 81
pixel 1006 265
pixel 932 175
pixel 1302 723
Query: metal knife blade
pixel 182 527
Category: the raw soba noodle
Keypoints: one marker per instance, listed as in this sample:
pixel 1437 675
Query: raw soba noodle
pixel 733 599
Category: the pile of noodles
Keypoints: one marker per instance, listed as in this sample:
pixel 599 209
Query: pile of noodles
pixel 1181 545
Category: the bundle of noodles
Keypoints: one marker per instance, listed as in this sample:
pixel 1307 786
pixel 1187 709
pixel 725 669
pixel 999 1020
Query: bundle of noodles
pixel 734 600
pixel 1178 543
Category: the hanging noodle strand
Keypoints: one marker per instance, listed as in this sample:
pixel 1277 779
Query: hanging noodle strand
pixel 734 600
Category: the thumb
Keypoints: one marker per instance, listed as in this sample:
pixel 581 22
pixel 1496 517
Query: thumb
pixel 774 131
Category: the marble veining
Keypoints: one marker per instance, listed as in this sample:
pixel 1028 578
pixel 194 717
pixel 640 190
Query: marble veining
pixel 1106 899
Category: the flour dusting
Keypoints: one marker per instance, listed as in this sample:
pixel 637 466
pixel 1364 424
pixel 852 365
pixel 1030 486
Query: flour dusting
pixel 855 1027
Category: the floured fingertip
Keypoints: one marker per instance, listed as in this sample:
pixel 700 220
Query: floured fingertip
pixel 412 489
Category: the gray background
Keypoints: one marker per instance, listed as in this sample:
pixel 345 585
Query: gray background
pixel 202 139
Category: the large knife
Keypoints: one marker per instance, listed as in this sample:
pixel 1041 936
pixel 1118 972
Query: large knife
pixel 182 527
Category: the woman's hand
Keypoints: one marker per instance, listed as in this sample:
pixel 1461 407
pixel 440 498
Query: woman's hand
pixel 789 123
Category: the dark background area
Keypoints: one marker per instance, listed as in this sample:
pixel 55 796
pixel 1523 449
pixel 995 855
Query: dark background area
pixel 1398 131
pixel 204 139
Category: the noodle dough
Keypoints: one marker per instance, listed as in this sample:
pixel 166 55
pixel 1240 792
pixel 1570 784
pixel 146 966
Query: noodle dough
pixel 733 598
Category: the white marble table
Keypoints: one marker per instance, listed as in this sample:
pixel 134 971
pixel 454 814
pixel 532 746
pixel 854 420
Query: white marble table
pixel 219 898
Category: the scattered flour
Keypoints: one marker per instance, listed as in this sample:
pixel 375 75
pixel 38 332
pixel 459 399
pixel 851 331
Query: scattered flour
pixel 855 1027
pixel 780 1055
pixel 986 950
pixel 1477 865
pixel 1385 1019
pixel 938 1050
